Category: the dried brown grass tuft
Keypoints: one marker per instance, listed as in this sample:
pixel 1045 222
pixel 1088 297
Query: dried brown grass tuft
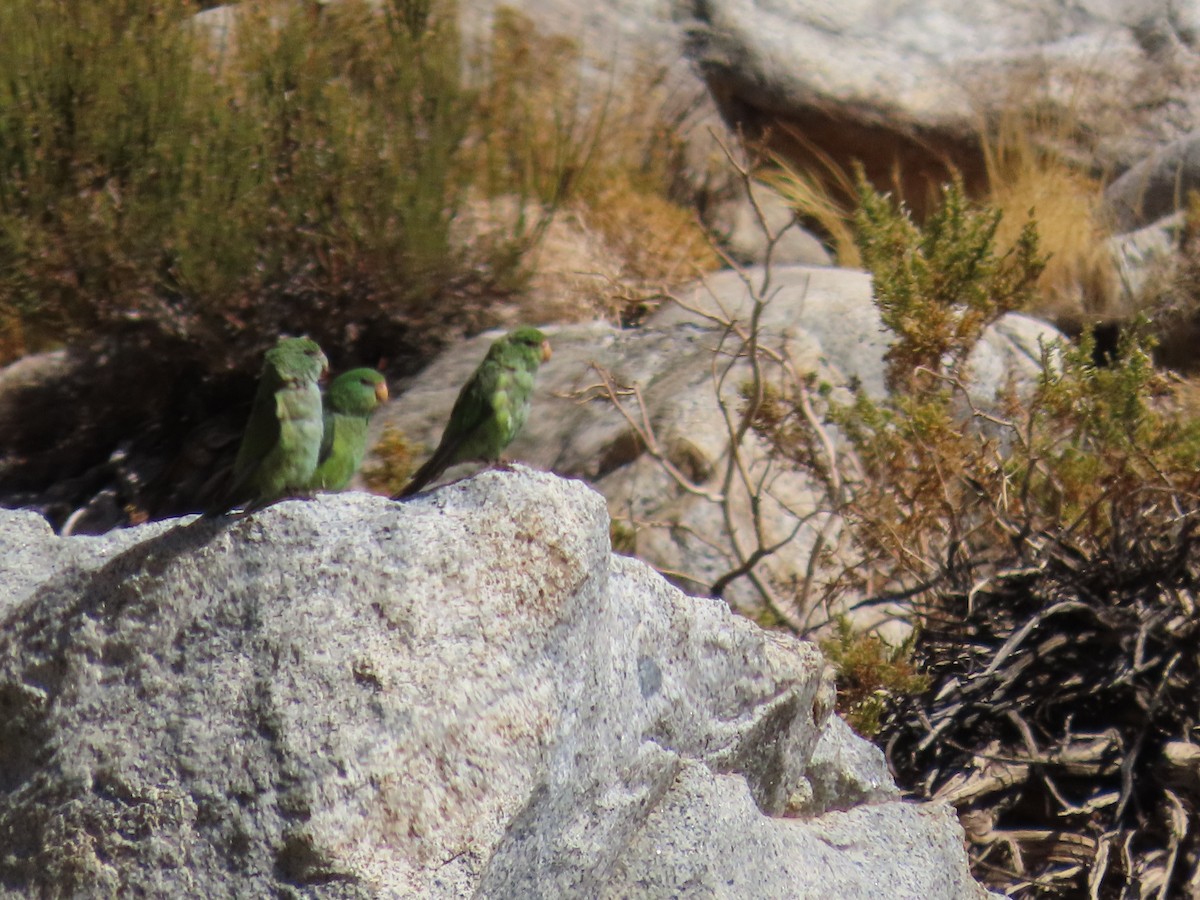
pixel 1029 175
pixel 657 240
pixel 818 198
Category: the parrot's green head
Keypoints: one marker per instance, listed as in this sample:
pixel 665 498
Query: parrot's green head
pixel 357 392
pixel 297 358
pixel 529 342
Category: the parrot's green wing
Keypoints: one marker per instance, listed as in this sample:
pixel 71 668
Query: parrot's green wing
pixel 262 430
pixel 471 412
pixel 349 403
pixel 279 447
pixel 491 408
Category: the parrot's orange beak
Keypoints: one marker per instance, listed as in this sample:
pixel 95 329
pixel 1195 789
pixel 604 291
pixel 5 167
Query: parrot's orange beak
pixel 381 393
pixel 546 351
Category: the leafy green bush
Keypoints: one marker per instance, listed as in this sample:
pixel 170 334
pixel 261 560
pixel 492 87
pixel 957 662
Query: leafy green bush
pixel 933 487
pixel 939 286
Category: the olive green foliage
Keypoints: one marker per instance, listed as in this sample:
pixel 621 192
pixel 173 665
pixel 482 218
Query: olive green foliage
pixel 936 495
pixel 623 537
pixel 392 462
pixel 302 173
pixel 870 674
pixel 1107 443
pixel 938 286
pixel 914 464
pixel 1043 547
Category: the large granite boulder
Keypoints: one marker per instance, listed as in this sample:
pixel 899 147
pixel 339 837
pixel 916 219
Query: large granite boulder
pixel 904 86
pixel 466 694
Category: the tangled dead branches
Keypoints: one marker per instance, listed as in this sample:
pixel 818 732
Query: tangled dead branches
pixel 1062 715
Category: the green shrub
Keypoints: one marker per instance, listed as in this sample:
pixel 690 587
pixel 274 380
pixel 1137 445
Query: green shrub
pixel 1045 548
pixel 939 286
pixel 872 675
pixel 1093 444
pixel 308 178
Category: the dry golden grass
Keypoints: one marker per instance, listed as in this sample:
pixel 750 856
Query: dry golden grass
pixel 657 240
pixel 810 195
pixel 1029 176
pixel 390 463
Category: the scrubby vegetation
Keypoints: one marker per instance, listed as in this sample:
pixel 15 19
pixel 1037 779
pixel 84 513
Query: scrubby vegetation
pixel 1046 545
pixel 293 167
pixel 872 675
pixel 303 179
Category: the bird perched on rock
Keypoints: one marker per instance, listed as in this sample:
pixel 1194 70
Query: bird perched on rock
pixel 491 407
pixel 351 399
pixel 282 440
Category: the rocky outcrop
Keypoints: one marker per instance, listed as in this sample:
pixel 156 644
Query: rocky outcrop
pixel 1157 186
pixel 903 87
pixel 462 695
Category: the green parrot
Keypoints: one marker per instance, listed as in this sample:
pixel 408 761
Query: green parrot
pixel 349 402
pixel 279 448
pixel 491 407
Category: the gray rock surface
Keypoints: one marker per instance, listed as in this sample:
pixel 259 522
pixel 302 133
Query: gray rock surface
pixel 823 319
pixel 746 236
pixel 818 315
pixel 908 81
pixel 845 771
pixel 462 695
pixel 678 848
pixel 1156 186
pixel 1148 257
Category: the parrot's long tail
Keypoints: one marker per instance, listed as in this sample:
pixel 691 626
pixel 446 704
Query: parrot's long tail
pixel 432 469
pixel 446 454
pixel 231 496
